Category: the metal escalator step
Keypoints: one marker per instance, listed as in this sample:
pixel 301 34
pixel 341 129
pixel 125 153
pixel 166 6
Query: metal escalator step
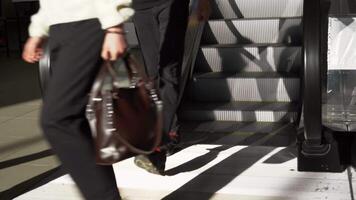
pixel 248 86
pixel 239 133
pixel 256 8
pixel 229 126
pixel 246 31
pixel 240 112
pixel 249 58
pixel 246 75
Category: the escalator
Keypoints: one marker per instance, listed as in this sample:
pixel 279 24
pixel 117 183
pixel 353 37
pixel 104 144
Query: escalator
pixel 244 86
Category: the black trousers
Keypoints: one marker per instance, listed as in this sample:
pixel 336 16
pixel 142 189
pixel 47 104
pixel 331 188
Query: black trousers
pixel 161 32
pixel 75 60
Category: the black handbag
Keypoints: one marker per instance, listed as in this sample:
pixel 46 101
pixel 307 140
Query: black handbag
pixel 125 121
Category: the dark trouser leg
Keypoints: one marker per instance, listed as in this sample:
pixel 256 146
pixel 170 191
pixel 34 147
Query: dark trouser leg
pixel 161 33
pixel 75 60
pixel 173 25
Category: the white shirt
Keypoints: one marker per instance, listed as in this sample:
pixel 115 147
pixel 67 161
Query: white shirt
pixel 109 12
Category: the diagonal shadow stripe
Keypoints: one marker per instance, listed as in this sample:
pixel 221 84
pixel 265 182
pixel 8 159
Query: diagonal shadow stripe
pixel 198 162
pixel 228 169
pixel 24 159
pixel 32 183
pixel 236 9
pixel 284 155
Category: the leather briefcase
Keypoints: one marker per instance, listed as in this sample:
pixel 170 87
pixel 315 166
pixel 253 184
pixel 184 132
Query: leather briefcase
pixel 125 121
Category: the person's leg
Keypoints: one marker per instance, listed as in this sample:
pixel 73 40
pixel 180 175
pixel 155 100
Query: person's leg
pixel 75 61
pixel 161 32
pixel 147 29
pixel 155 28
pixel 173 22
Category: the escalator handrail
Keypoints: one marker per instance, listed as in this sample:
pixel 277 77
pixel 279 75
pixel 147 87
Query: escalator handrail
pixel 191 46
pixel 192 43
pixel 314 71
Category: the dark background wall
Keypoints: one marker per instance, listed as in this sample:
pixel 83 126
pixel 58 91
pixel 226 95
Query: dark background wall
pixel 17 24
pixel 8 8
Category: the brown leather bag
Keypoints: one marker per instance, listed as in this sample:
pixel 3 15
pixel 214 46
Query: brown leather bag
pixel 124 121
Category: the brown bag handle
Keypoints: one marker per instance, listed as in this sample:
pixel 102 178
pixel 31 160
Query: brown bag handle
pixel 135 74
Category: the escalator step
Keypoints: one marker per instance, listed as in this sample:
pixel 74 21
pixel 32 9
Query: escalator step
pixel 250 58
pixel 229 9
pixel 238 133
pixel 247 31
pixel 239 112
pixel 264 86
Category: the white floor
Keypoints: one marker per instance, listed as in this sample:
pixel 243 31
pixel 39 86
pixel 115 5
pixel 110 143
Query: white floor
pixel 214 172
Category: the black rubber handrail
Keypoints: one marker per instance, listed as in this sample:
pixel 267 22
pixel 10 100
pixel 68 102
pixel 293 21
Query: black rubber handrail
pixel 192 43
pixel 315 18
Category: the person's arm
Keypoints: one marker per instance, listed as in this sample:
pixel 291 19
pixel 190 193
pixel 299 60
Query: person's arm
pixel 39 26
pixel 114 45
pixel 112 14
pixel 38 31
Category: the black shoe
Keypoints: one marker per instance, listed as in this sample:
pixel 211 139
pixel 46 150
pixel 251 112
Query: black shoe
pixel 173 145
pixel 153 163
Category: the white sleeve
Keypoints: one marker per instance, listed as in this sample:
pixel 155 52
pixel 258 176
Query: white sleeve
pixel 113 12
pixel 39 26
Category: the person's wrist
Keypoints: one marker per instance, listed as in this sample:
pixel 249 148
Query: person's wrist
pixel 122 32
pixel 116 29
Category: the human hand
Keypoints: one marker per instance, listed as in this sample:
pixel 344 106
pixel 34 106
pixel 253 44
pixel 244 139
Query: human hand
pixel 33 49
pixel 114 45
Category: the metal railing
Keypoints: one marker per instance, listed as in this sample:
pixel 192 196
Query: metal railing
pixel 315 20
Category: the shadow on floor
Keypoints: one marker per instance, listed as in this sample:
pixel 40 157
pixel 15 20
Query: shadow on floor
pixel 198 162
pixel 32 183
pixel 24 159
pixel 206 185
pixel 284 155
